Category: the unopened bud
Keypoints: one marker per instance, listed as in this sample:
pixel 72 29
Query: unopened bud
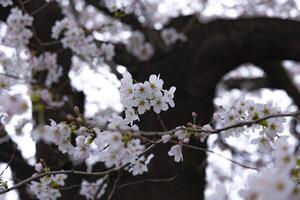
pixel 79 119
pixel 194 115
pixel 190 124
pixel 69 117
pixel 76 110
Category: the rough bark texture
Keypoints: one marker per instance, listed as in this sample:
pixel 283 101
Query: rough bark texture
pixel 195 67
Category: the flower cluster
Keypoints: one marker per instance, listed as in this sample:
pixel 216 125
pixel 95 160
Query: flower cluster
pixel 20 68
pixel 59 134
pixel 219 193
pixel 139 47
pixel 137 98
pixel 115 148
pixel 90 190
pixel 120 148
pixel 247 110
pixel 171 36
pixel 117 144
pixel 176 150
pixel 278 182
pixel 117 5
pixel 18 32
pixel 183 135
pixel 74 37
pixel 6 3
pixel 48 186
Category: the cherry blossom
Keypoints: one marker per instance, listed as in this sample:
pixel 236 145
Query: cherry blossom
pixel 176 151
pixel 18 32
pixel 48 187
pixel 171 36
pixel 89 190
pixel 6 3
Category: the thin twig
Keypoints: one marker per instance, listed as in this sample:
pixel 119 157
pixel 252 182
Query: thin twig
pixel 114 186
pixel 10 160
pixel 35 177
pixel 162 124
pixel 40 8
pixel 148 181
pixel 69 187
pixel 217 131
pixel 12 76
pixel 100 187
pixel 75 172
pixel 213 152
pixel 251 122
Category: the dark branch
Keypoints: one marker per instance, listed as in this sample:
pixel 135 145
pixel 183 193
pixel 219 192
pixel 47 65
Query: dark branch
pixel 280 79
pixel 20 168
pixel 249 84
pixel 129 19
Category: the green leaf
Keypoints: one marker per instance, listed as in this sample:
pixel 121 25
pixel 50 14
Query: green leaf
pixel 264 123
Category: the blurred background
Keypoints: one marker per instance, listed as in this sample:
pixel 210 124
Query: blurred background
pixel 222 51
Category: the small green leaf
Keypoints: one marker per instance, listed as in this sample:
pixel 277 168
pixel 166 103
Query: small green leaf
pixel 119 14
pixel 54 185
pixel 264 123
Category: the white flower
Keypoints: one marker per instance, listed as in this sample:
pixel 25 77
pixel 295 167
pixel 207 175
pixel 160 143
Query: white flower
pixel 140 166
pixel 171 36
pixel 138 47
pixel 274 126
pixel 166 138
pixel 38 167
pixel 59 179
pixel 141 90
pixel 203 135
pixel 176 151
pixel 140 97
pixel 159 105
pixel 182 135
pixel 66 146
pixel 282 146
pixel 12 105
pixel 39 133
pixel 48 61
pixel 284 157
pixel 219 193
pixel 131 115
pixel 74 37
pixel 169 95
pixel 6 3
pixel 44 190
pixel 108 51
pixel 144 52
pixel 143 105
pixel 264 144
pixel 269 184
pixel 81 150
pixel 18 32
pixel 117 122
pixel 155 84
pixel 89 190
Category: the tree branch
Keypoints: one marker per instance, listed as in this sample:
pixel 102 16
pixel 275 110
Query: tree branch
pixel 19 167
pixel 129 19
pixel 249 84
pixel 280 79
